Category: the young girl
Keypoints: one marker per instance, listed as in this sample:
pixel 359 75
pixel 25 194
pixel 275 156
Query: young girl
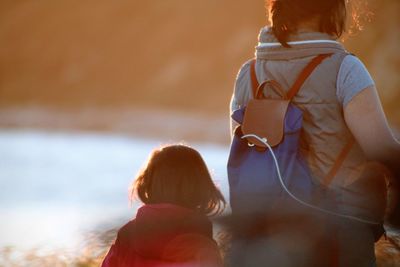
pixel 171 229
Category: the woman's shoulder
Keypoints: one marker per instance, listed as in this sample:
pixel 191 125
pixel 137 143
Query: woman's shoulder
pixel 244 69
pixel 243 76
pixel 351 61
pixel 353 77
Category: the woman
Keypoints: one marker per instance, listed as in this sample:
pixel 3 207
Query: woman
pixel 340 104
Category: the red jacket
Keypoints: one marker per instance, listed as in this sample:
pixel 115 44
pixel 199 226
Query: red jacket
pixel 165 235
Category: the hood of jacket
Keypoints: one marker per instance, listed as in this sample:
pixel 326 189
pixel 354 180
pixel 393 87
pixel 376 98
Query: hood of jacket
pixel 303 44
pixel 156 226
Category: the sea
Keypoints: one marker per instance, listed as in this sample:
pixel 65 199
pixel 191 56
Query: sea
pixel 57 187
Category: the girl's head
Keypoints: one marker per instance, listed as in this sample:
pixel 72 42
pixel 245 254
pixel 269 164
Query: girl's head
pixel 177 174
pixel 286 15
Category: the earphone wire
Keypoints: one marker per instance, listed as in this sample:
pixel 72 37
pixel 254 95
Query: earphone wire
pixel 265 142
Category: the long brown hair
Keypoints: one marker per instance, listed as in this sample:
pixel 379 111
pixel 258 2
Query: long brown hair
pixel 285 16
pixel 177 174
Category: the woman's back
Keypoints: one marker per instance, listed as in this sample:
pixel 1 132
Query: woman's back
pixel 325 135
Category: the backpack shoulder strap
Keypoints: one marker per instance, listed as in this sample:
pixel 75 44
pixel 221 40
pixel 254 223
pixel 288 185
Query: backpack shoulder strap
pixel 338 163
pixel 253 75
pixel 305 73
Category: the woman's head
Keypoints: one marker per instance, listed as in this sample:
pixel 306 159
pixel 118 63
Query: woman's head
pixel 177 174
pixel 287 15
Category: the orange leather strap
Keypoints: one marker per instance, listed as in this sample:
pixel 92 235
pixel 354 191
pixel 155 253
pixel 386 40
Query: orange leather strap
pixel 339 161
pixel 306 72
pixel 254 82
pixel 274 86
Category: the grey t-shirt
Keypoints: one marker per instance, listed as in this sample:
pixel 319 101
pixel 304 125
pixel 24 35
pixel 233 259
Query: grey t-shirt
pixel 353 77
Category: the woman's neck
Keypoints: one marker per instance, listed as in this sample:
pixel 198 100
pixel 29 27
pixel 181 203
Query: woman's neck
pixel 311 25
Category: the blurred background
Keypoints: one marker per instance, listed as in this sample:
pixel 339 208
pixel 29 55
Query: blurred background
pixel 88 88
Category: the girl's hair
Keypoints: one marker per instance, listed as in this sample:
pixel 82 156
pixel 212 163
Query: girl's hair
pixel 285 15
pixel 177 174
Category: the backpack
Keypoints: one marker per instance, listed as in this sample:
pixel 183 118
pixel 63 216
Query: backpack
pixel 258 184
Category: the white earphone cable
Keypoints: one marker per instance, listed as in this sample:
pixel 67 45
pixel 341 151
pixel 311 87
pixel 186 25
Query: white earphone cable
pixel 265 142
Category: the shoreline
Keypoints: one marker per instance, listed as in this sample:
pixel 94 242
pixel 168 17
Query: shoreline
pixel 166 125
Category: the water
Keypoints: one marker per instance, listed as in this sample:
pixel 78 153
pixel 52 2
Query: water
pixel 55 187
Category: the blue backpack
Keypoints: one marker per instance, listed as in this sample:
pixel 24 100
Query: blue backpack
pixel 257 183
